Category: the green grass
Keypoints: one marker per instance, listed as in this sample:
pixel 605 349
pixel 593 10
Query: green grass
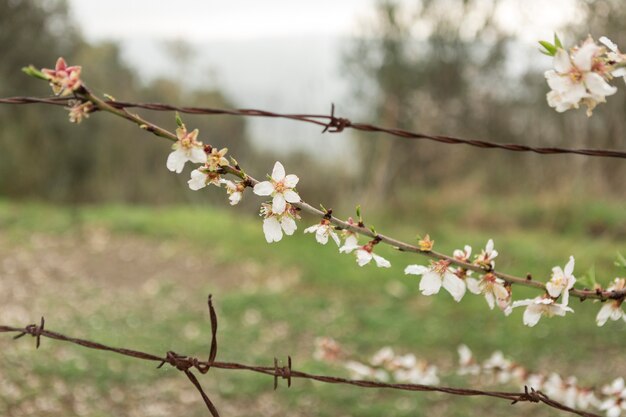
pixel 363 308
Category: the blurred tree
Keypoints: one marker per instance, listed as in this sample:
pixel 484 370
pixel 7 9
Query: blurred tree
pixel 103 158
pixel 453 68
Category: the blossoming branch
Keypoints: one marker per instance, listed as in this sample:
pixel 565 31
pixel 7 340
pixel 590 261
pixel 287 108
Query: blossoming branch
pixel 281 213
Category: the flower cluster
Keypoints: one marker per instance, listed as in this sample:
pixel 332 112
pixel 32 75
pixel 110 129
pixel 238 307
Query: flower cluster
pixel 385 365
pixel 388 366
pixel 611 398
pixel 497 292
pixel 582 74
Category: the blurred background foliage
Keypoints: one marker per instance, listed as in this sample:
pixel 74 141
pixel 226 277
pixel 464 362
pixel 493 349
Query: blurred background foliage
pixel 466 77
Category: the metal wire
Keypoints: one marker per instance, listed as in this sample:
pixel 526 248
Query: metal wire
pixel 333 124
pixel 186 364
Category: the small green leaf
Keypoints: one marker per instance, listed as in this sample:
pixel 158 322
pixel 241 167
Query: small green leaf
pixel 550 49
pixel 358 211
pixel 34 72
pixel 373 230
pixel 589 279
pixel 557 41
pixel 179 121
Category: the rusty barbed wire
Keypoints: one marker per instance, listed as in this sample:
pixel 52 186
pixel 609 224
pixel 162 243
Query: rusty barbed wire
pixel 332 124
pixel 186 364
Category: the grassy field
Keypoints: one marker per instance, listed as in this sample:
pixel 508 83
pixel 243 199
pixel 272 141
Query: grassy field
pixel 139 277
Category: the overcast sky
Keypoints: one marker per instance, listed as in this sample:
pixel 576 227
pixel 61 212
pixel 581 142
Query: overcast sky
pixel 212 20
pixel 283 55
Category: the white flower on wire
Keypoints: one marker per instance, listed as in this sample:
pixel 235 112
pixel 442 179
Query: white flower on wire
pixel 578 78
pixel 438 275
pixel 186 148
pixel 486 257
pixel 201 177
pixel 562 281
pixel 234 190
pixel 612 309
pixel 274 224
pixel 364 254
pixel 541 306
pixel 323 230
pixel 615 56
pixel 280 187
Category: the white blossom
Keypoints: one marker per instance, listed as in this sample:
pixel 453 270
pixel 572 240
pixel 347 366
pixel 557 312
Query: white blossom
pixel 274 224
pixel 186 148
pixel 615 56
pixel 435 276
pixel 364 254
pixel 578 78
pixel 280 187
pixel 562 281
pixel 202 177
pixel 467 363
pixel 323 230
pixel 486 257
pixel 540 306
pixel 494 290
pixel 499 366
pixel 362 371
pixel 234 190
pixel 612 309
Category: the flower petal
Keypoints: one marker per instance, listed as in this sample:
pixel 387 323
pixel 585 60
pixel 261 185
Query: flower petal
pixel 278 173
pixel 279 204
pixel 569 268
pixel 380 261
pixel 604 314
pixel 291 196
pixel 430 283
pixel 416 269
pixel 289 225
pixel 597 85
pixel 583 57
pixel 176 161
pixel 312 229
pixel 532 314
pixel 197 155
pixel 197 181
pixel 363 257
pixel 562 63
pixel 272 230
pixel 291 180
pixel 473 285
pixel 321 236
pixel 263 188
pixel 454 285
